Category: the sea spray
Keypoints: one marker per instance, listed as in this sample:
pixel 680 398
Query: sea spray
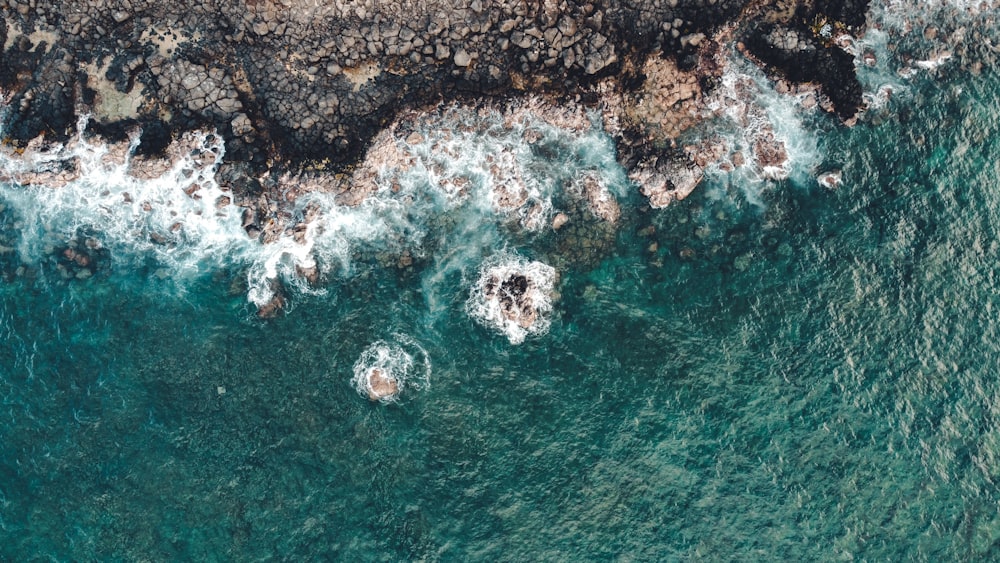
pixel 515 163
pixel 326 242
pixel 739 136
pixel 911 38
pixel 465 181
pixel 178 216
pixel 476 179
pixel 483 179
pixel 455 183
pixel 174 213
pixel 877 71
pixel 765 132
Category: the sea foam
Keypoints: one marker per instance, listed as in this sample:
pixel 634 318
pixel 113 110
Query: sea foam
pixel 513 296
pixel 470 177
pixel 177 214
pixel 174 213
pixel 513 163
pixel 764 133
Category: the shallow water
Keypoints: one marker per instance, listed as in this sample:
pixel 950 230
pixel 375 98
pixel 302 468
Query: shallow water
pixel 815 380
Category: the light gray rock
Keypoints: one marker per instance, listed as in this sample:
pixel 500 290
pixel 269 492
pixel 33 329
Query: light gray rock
pixel 521 40
pixel 597 61
pixel 229 105
pixel 567 26
pixel 190 82
pixel 241 125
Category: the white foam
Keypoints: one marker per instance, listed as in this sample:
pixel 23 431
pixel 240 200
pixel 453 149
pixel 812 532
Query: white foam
pixel 328 242
pixel 184 224
pixel 402 361
pixel 509 165
pixel 179 219
pixel 176 216
pixel 928 30
pixel 908 40
pixel 830 180
pixel 750 110
pixel 473 174
pixel 486 299
pixel 904 13
pixel 933 62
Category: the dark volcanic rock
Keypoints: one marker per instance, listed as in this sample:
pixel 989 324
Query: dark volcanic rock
pixel 295 81
pixel 803 49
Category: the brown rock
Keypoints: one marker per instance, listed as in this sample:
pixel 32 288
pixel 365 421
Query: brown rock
pixel 381 385
pixel 271 309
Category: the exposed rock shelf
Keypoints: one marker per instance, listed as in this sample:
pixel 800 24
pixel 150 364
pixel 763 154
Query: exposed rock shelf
pixel 300 82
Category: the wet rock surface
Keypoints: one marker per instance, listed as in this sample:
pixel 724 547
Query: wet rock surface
pixel 801 45
pixel 338 98
pixel 514 296
pixel 295 82
pixel 381 385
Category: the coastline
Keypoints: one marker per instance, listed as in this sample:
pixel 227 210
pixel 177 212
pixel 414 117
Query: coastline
pixel 328 100
pixel 295 87
pixel 487 344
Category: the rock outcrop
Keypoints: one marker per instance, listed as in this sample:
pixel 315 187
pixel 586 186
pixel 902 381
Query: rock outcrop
pixel 513 296
pixel 299 82
pixel 380 385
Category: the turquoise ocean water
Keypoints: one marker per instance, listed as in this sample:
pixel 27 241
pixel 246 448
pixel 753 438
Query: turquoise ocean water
pixel 789 373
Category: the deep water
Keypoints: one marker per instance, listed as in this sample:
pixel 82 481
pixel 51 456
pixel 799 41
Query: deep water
pixel 808 374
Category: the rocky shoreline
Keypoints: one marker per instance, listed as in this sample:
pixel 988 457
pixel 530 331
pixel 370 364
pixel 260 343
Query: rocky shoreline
pixel 324 98
pixel 297 84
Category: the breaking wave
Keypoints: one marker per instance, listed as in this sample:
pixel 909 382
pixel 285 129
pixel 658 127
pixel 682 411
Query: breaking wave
pixel 470 179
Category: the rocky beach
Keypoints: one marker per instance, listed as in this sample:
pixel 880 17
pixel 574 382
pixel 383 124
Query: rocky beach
pixel 295 87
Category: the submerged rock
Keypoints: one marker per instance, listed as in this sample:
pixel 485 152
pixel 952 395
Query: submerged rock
pixel 271 308
pixel 830 180
pixel 559 220
pixel 599 200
